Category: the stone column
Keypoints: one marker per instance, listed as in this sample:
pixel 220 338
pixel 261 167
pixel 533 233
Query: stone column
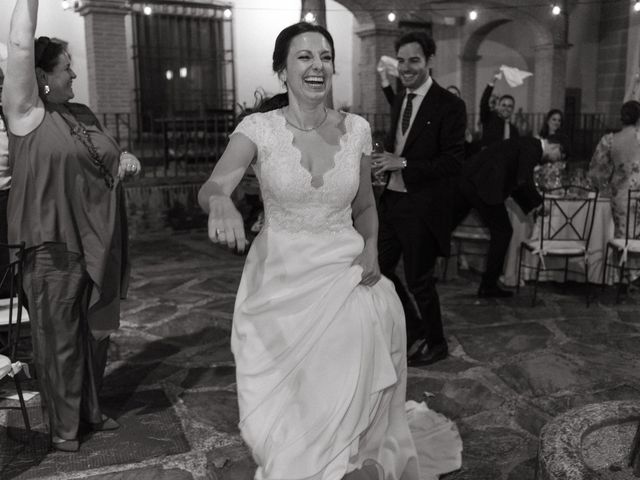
pixel 374 42
pixel 107 63
pixel 549 76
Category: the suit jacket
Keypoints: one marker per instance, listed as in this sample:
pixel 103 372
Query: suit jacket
pixel 434 151
pixel 492 123
pixel 505 169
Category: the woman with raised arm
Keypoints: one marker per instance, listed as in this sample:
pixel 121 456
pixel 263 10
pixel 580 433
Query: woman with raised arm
pixel 318 336
pixel 67 205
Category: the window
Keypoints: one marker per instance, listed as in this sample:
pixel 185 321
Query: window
pixel 183 56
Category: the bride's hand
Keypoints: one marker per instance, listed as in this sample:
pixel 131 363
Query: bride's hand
pixel 368 260
pixel 225 223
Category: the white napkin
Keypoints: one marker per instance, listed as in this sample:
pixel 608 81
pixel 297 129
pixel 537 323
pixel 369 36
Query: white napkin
pixel 514 76
pixel 389 64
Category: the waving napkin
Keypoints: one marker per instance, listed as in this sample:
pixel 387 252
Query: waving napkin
pixel 389 64
pixel 514 76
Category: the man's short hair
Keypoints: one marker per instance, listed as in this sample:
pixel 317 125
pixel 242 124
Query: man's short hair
pixel 424 40
pixel 507 97
pixel 562 140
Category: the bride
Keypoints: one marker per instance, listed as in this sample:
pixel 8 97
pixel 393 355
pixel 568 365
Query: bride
pixel 318 336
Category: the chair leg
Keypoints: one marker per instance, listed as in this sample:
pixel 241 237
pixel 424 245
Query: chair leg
pixel 445 268
pixel 604 268
pixel 23 405
pixel 620 283
pixel 519 270
pixel 586 279
pixel 566 275
pixel 535 285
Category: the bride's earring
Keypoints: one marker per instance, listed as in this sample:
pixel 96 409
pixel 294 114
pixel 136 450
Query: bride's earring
pixel 46 89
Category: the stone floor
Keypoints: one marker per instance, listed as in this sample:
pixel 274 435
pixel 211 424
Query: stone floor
pixel 170 380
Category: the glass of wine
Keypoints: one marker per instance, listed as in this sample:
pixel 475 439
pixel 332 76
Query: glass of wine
pixel 378 179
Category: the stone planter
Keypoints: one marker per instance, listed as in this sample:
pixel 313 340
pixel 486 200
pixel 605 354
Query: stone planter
pixel 589 443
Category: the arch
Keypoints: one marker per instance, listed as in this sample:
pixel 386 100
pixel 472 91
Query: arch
pixel 360 11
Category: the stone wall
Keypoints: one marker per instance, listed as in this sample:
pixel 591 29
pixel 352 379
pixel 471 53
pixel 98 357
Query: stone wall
pixel 612 58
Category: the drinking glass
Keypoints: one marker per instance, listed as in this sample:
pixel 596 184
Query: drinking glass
pixel 378 179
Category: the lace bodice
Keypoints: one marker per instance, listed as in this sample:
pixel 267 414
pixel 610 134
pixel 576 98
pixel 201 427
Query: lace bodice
pixel 291 202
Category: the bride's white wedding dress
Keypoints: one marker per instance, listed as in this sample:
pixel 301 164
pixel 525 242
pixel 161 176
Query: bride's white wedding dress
pixel 320 359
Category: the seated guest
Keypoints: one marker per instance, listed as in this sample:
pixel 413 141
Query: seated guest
pixel 550 174
pixel 496 123
pixel 615 165
pixel 504 169
pixel 552 123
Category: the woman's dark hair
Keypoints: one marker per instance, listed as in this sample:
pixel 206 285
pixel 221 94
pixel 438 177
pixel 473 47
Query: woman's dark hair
pixel 544 131
pixel 424 40
pixel 280 53
pixel 630 112
pixel 46 53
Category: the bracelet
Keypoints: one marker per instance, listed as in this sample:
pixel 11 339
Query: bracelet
pixel 404 163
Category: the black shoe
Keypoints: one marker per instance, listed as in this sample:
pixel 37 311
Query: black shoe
pixel 426 355
pixel 494 291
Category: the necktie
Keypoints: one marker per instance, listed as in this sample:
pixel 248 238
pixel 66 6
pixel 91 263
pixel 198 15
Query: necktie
pixel 406 115
pixel 507 130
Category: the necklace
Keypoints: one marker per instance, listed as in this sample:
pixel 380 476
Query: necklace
pixel 326 114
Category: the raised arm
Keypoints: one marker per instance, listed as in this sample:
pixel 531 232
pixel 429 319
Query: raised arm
pixel 20 100
pixel 485 107
pixel 633 92
pixel 225 222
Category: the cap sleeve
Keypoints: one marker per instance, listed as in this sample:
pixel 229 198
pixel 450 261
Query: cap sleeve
pixel 366 140
pixel 248 126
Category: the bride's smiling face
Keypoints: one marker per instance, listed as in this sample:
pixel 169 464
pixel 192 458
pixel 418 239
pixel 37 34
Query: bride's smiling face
pixel 309 68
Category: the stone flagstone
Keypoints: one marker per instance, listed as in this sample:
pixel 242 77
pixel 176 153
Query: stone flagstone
pixel 512 368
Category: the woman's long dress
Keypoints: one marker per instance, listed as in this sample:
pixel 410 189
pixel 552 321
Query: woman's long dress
pixel 320 359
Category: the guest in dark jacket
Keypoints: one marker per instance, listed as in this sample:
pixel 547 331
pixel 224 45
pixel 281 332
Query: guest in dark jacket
pixel 504 169
pixel 496 123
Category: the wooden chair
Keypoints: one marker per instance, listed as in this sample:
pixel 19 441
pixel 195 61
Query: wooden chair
pixel 564 231
pixel 12 316
pixel 627 246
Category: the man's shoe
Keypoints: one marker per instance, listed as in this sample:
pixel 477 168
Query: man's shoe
pixel 494 291
pixel 426 355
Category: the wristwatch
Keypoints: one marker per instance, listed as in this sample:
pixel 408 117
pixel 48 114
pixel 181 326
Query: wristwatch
pixel 404 162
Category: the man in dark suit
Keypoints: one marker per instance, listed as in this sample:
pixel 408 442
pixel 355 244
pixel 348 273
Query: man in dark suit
pixel 496 123
pixel 504 169
pixel 427 140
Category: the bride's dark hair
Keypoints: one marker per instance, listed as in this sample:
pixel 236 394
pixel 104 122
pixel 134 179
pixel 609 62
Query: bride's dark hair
pixel 280 52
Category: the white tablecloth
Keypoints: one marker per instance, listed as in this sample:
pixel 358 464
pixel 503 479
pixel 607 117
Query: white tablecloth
pixel 523 228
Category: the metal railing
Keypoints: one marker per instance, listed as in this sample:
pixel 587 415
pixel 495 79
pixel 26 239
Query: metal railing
pixel 189 146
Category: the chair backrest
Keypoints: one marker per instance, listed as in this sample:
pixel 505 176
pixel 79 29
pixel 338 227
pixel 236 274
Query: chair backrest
pixel 632 229
pixel 11 308
pixel 569 213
